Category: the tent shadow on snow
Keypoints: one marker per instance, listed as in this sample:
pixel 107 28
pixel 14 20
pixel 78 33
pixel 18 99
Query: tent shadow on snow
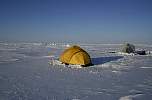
pixel 102 60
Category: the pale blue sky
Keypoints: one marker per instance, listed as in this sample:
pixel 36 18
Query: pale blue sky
pixel 99 21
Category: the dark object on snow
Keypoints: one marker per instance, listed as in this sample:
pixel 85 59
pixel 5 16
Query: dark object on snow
pixel 112 52
pixel 142 52
pixel 128 48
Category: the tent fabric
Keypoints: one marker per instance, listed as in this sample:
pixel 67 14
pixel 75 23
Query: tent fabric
pixel 128 48
pixel 75 55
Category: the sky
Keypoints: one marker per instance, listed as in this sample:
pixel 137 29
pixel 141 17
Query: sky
pixel 89 21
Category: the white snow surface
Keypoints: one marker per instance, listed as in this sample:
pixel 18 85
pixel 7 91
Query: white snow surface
pixel 26 73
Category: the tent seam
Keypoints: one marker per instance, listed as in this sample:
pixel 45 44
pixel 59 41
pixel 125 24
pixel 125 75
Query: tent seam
pixel 74 54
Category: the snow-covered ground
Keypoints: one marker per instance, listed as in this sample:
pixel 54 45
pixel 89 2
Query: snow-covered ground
pixel 25 73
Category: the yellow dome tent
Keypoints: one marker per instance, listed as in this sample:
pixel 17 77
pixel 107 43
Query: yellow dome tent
pixel 75 55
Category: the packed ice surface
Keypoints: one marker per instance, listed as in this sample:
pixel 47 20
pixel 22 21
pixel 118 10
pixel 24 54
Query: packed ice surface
pixel 25 73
